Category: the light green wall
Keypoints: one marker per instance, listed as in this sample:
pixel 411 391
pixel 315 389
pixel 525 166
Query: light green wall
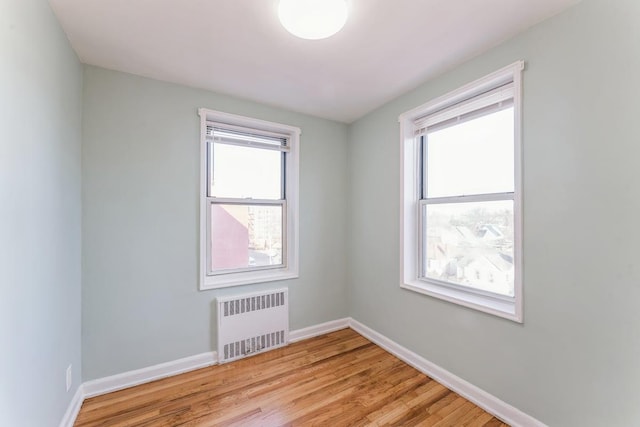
pixel 140 162
pixel 40 213
pixel 572 363
pixel 575 360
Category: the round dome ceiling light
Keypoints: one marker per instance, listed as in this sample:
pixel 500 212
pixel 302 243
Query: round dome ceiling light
pixel 313 19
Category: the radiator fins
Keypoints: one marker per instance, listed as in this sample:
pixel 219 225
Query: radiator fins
pixel 251 324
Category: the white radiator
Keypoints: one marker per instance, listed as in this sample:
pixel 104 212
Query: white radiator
pixel 252 323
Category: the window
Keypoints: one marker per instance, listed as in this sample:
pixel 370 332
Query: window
pixel 461 196
pixel 249 200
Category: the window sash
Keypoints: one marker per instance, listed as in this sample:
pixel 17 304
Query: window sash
pixel 422 224
pixel 210 161
pixel 245 202
pixel 422 138
pixel 217 133
pixel 475 107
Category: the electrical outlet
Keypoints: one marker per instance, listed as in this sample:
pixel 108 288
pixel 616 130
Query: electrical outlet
pixel 69 378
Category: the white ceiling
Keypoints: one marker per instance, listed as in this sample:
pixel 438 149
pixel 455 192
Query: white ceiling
pixel 238 47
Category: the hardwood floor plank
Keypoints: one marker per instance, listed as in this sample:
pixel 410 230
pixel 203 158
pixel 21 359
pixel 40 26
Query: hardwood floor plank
pixel 338 379
pixel 479 421
pixel 494 422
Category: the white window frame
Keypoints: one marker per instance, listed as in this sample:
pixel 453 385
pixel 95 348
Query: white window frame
pixel 289 268
pixel 410 203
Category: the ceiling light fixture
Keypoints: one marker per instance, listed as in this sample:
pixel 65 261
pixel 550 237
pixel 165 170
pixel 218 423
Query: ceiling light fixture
pixel 313 19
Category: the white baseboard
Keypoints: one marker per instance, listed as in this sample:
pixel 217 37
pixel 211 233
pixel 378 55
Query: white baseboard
pixel 486 401
pixel 175 367
pixel 321 329
pixel 507 413
pixel 74 408
pixel 145 375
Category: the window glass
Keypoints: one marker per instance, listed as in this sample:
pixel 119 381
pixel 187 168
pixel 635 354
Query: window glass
pixel 473 157
pixel 470 244
pixel 245 236
pixel 246 172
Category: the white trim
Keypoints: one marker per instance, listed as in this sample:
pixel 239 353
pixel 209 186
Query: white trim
pixel 485 303
pixel 220 117
pixel 481 85
pixel 410 214
pixel 496 98
pixel 291 268
pixel 249 277
pixel 148 374
pixel 320 329
pixel 73 409
pixel 518 212
pixel 507 413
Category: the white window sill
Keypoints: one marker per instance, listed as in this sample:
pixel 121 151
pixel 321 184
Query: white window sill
pixel 498 307
pixel 247 278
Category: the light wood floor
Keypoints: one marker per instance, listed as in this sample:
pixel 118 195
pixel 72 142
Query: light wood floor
pixel 338 379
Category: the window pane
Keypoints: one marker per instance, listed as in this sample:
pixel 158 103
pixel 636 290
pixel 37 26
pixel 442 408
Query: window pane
pixel 474 157
pixel 245 236
pixel 471 244
pixel 246 172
